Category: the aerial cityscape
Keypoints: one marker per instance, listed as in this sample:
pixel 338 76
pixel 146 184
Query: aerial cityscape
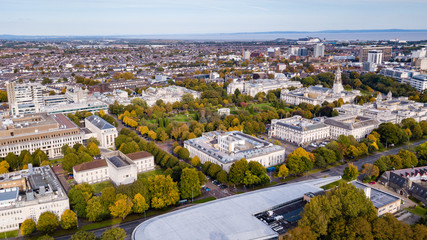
pixel 217 120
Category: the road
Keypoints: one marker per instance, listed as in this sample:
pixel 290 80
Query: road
pixel 339 170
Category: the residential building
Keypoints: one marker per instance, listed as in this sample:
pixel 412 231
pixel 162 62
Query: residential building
pixel 240 216
pixel 43 193
pixel 114 166
pixel 383 202
pixel 298 130
pixel 358 126
pixel 386 53
pixel 224 148
pixel 407 182
pixel 319 50
pixel 24 98
pixel 38 131
pixel 302 52
pixel 103 130
pixel 375 56
pixel 316 95
pixel 369 67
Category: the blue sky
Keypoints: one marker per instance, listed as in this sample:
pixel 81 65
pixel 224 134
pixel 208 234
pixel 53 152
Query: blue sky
pixel 139 17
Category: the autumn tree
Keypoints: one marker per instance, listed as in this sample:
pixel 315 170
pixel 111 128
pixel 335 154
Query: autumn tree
pixel 350 172
pixel 163 191
pixel 283 171
pixel 95 210
pixel 83 235
pixel 48 222
pixel 371 171
pixel 139 204
pixel 122 206
pixel 93 149
pixel 195 161
pixel 68 219
pixel 28 227
pixel 238 171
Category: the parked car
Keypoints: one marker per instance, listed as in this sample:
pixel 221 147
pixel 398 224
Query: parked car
pixel 215 182
pixel 372 183
pixel 222 186
pixel 207 189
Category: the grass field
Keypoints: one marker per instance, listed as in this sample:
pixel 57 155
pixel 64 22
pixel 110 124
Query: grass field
pixel 150 173
pixel 100 186
pixel 9 234
pixel 333 184
pixel 208 199
pixel 420 211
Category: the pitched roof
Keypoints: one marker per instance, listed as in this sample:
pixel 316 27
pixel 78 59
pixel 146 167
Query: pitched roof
pixel 90 165
pixel 139 155
pixel 99 122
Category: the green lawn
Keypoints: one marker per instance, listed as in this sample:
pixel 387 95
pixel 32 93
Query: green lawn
pixel 208 199
pixel 183 117
pixel 9 234
pixel 333 184
pixel 100 186
pixel 420 211
pixel 150 173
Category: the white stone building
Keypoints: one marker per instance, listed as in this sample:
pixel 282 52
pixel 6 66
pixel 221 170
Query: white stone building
pixel 115 166
pixel 104 131
pixel 44 193
pixel 168 94
pixel 298 130
pixel 316 95
pixel 224 148
pixel 38 131
pixel 260 85
pixel 358 126
pixel 224 111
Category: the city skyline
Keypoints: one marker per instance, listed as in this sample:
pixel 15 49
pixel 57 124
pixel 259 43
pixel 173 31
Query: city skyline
pixel 131 17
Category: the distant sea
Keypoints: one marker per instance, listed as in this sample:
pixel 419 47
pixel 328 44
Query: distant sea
pixel 340 36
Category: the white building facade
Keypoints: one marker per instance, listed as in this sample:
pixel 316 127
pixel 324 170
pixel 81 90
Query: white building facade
pixel 358 126
pixel 104 131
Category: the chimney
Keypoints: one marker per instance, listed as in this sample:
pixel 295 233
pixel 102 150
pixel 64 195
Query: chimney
pixel 367 191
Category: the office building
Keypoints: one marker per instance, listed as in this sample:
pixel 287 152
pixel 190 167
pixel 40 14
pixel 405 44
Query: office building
pixel 224 148
pixel 369 67
pixel 268 213
pixel 386 53
pixel 43 193
pixel 101 130
pixel 302 52
pixel 419 82
pixel 114 166
pixel 24 98
pixel 383 202
pixel 358 126
pixel 319 50
pixel 38 131
pixel 298 130
pixel 375 56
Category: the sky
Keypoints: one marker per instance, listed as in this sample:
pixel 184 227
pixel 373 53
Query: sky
pixel 142 17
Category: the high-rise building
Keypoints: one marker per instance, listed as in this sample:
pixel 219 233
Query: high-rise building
pixel 302 52
pixel 319 50
pixel 375 56
pixel 246 55
pixel 363 56
pixel 24 98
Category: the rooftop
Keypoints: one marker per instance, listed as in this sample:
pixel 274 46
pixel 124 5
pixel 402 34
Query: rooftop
pixel 227 218
pixel 9 194
pixel 90 165
pixel 139 155
pixel 99 122
pixel 378 198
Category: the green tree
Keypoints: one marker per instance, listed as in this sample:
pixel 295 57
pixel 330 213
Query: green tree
pixel 83 235
pixel 95 210
pixel 108 196
pixel 45 237
pixel 28 227
pixel 183 153
pixel 93 140
pixel 12 159
pixel 222 176
pixel 122 206
pixel 48 222
pixel 238 171
pixel 69 161
pixel 195 161
pixel 113 234
pixel 189 186
pixel 139 204
pixel 350 172
pixel 68 219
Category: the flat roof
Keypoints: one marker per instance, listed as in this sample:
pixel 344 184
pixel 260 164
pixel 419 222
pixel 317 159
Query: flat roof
pixel 227 218
pixel 9 194
pixel 378 198
pixel 118 161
